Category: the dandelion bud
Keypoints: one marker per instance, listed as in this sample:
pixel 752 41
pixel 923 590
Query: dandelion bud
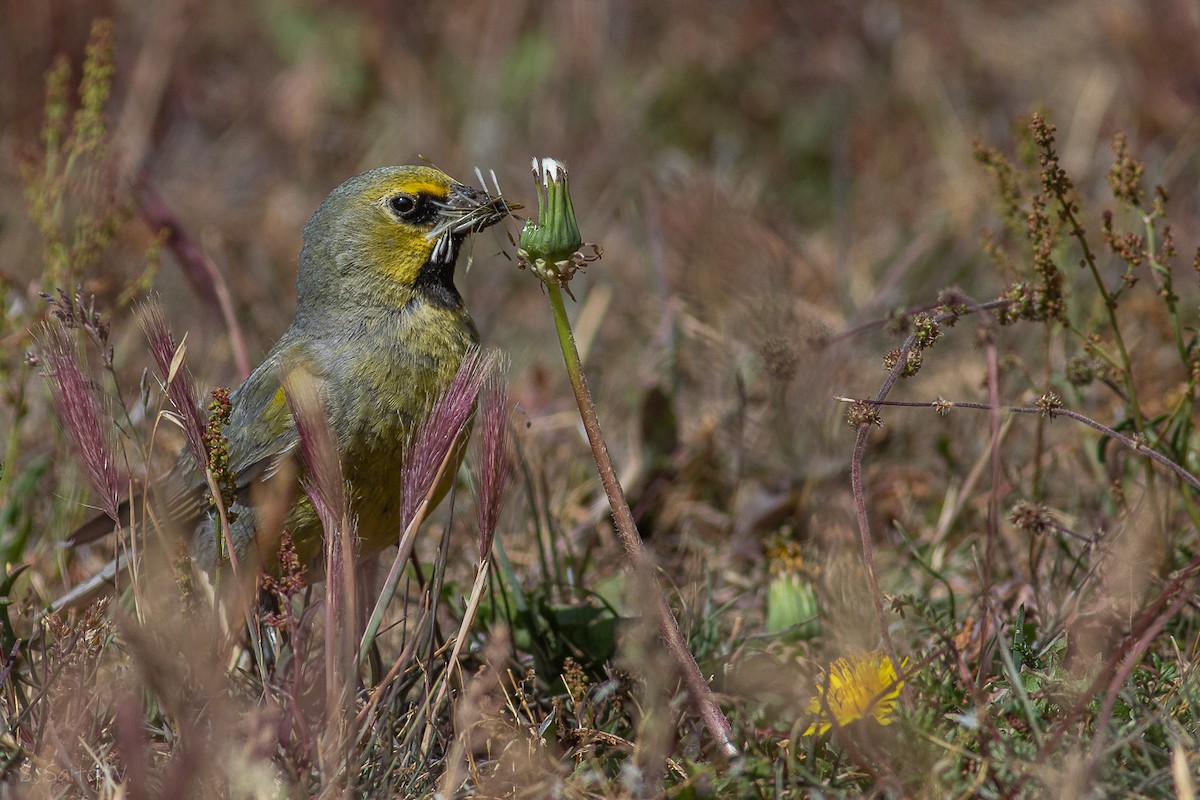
pixel 550 245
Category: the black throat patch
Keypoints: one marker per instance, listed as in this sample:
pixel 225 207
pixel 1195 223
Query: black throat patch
pixel 435 279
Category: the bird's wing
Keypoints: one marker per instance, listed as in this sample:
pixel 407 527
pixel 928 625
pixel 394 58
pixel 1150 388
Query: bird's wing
pixel 261 433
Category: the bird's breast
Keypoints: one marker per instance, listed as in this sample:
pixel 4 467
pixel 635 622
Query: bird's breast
pixel 380 389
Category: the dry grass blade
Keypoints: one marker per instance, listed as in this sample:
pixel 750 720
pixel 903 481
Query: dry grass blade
pixel 177 379
pixel 437 444
pixel 326 488
pixel 495 473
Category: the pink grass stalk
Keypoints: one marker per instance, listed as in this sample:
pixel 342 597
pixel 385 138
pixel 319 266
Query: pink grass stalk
pixel 427 459
pixel 177 379
pixel 496 469
pixel 442 430
pixel 496 465
pixel 324 482
pixel 326 488
pixel 131 742
pixel 83 417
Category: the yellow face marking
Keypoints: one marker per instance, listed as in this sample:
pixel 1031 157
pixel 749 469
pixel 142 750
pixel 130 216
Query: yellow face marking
pixel 439 190
pixel 398 249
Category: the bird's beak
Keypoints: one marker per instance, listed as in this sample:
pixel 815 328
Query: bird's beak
pixel 469 210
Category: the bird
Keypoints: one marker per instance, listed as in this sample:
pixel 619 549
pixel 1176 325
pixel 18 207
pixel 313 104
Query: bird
pixel 381 329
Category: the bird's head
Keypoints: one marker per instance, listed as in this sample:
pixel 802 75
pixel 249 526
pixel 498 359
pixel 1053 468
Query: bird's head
pixel 390 235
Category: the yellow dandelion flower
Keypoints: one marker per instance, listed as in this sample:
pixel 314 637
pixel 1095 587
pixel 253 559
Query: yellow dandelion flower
pixel 864 685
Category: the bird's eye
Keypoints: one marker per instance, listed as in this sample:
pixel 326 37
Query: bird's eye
pixel 403 205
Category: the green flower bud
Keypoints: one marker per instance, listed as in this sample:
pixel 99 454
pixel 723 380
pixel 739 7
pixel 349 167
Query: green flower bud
pixel 792 606
pixel 550 244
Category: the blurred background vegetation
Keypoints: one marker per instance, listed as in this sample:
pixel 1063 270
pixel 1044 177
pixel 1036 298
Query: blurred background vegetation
pixel 754 170
pixel 761 174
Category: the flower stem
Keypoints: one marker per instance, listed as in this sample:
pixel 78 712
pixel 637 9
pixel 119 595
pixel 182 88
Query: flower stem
pixel 627 531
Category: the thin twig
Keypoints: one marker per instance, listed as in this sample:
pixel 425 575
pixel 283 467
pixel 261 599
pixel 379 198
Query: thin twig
pixel 1147 626
pixel 993 509
pixel 856 482
pixel 864 533
pixel 697 687
pixel 1127 441
pixel 1140 645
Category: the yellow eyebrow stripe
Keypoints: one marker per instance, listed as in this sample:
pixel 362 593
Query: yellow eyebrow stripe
pixel 413 186
pixel 424 187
